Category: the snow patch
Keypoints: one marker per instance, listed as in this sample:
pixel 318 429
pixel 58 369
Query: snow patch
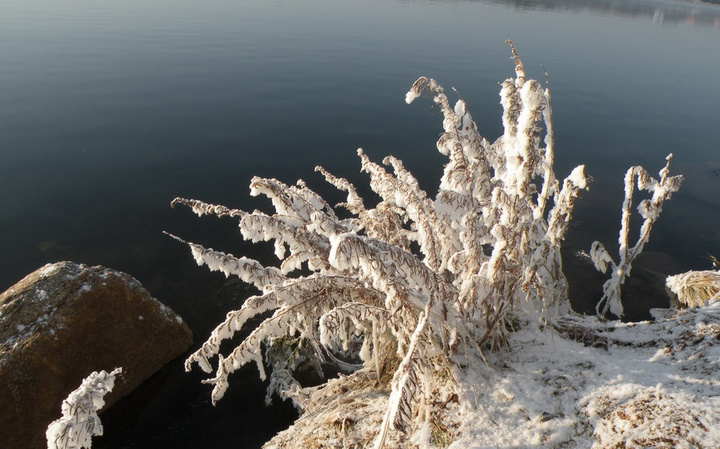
pixel 48 270
pixel 649 382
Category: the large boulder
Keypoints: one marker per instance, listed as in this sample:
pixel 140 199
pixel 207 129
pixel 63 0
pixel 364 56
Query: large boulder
pixel 64 321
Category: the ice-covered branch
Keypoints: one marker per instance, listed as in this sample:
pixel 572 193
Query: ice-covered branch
pixel 80 421
pixel 403 192
pixel 292 201
pixel 405 385
pixel 354 203
pixel 287 232
pixel 561 213
pixel 249 270
pixel 295 307
pixel 201 208
pixel 649 210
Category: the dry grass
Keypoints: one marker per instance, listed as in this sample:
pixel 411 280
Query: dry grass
pixel 696 288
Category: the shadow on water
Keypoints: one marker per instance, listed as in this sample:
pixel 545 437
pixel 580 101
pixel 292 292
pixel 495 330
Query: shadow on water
pixel 173 408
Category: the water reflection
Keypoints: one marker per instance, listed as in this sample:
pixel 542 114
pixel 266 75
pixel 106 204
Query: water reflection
pixel 660 12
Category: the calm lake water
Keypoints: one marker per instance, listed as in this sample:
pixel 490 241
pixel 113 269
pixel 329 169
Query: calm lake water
pixel 110 109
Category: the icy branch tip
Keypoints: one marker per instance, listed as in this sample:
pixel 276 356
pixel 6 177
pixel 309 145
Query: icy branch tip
pixel 174 237
pixel 79 421
pixel 411 96
pixel 519 69
pixel 578 178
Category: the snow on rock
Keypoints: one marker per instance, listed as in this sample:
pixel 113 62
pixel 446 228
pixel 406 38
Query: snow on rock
pixel 47 270
pixel 64 321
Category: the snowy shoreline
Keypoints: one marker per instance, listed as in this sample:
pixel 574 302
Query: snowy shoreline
pixel 584 384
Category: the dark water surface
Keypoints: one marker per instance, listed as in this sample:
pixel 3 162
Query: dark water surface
pixel 110 109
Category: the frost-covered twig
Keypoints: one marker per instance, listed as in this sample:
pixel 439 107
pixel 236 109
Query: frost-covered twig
pixel 248 270
pixel 649 210
pixel 201 208
pixel 405 385
pixel 296 307
pixel 80 421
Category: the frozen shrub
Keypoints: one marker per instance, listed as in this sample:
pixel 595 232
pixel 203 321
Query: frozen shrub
pixel 406 284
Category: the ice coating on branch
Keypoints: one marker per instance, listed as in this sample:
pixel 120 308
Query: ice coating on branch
pixel 248 270
pixel 80 421
pixel 411 96
pixel 649 210
pixel 200 208
pixel 578 178
pixel 294 306
pixel 405 384
pixel 519 70
pixel 600 257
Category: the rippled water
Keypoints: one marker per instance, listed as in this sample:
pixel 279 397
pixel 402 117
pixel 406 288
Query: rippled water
pixel 110 109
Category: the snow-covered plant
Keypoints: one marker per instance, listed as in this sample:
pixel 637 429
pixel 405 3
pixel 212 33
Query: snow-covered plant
pixel 80 421
pixel 696 288
pixel 649 210
pixel 403 285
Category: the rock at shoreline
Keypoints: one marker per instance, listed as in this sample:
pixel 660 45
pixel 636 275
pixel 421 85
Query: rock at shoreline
pixel 64 321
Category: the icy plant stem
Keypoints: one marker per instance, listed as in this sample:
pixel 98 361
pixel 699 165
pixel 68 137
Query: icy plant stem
pixel 649 210
pixel 80 421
